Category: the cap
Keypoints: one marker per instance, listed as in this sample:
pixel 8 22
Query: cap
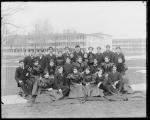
pixel 77 46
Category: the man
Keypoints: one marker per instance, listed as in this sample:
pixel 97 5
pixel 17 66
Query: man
pixel 29 59
pixel 77 52
pixel 91 56
pixel 118 54
pixel 99 55
pixel 21 77
pixel 108 53
pixel 66 54
pixel 41 59
pixel 50 56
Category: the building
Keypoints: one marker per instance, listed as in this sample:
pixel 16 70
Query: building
pixel 130 47
pixel 21 44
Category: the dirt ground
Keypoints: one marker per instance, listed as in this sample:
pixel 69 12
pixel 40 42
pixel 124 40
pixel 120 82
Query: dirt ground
pixel 72 108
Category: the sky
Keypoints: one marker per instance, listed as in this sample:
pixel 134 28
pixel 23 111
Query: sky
pixel 119 19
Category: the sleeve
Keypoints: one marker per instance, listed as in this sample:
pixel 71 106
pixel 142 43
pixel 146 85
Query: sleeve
pixel 17 75
pixel 123 58
pixel 56 82
pixel 112 57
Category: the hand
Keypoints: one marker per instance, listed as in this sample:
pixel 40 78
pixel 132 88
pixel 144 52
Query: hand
pixel 60 90
pixel 50 89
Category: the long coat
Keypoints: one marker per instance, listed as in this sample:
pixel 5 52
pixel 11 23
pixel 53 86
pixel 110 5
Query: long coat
pixel 120 55
pixel 99 57
pixel 110 54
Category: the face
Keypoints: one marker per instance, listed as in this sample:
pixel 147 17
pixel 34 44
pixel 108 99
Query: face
pixel 98 50
pixel 119 60
pixel 118 50
pixel 67 50
pixel 87 71
pixel 21 64
pixel 36 63
pixel 107 48
pixel 79 60
pixel 59 54
pixel 75 70
pixel 100 71
pixel 51 63
pixel 114 69
pixel 71 55
pixel 60 70
pixel 67 60
pixel 90 49
pixel 77 49
pixel 106 59
pixel 95 61
pixel 50 51
pixel 46 75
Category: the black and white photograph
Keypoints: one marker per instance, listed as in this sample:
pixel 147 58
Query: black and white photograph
pixel 79 59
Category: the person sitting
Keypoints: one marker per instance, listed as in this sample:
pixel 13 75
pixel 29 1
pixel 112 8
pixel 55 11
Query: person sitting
pixel 51 67
pixel 107 65
pixel 91 56
pixel 21 75
pixel 90 84
pixel 61 84
pixel 68 67
pixel 85 57
pixel 75 83
pixel 80 64
pixel 95 66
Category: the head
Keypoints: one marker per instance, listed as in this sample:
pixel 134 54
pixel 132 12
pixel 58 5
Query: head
pixel 90 49
pixel 106 59
pixel 79 59
pixel 41 51
pixel 118 49
pixel 71 55
pixel 59 53
pixel 32 52
pixel 51 63
pixel 46 75
pixel 50 50
pixel 107 47
pixel 68 60
pixel 66 49
pixel 85 55
pixel 98 49
pixel 36 62
pixel 100 71
pixel 87 70
pixel 21 63
pixel 119 60
pixel 114 68
pixel 60 69
pixel 95 61
pixel 77 48
pixel 75 70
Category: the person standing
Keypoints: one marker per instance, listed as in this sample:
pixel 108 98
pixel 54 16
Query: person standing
pixel 77 52
pixel 91 56
pixel 99 55
pixel 108 53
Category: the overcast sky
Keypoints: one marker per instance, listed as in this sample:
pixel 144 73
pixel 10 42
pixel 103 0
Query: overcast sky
pixel 119 19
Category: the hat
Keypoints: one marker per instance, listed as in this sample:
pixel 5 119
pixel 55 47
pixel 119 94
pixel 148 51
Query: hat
pixel 118 47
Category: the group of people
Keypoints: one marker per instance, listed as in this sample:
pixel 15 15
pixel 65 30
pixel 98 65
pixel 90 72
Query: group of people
pixel 73 75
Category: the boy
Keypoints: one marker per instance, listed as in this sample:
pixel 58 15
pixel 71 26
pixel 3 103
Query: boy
pixel 91 56
pixel 99 55
pixel 80 64
pixel 118 54
pixel 95 66
pixel 77 52
pixel 60 59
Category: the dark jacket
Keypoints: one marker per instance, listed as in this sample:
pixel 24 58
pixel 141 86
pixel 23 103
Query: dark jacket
pixel 99 57
pixel 87 78
pixel 60 61
pixel 110 54
pixel 120 55
pixel 65 55
pixel 51 69
pixel 94 68
pixel 91 57
pixel 80 66
pixel 67 68
pixel 28 61
pixel 48 58
pixel 75 78
pixel 98 79
pixel 42 61
pixel 113 77
pixel 76 55
pixel 107 67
